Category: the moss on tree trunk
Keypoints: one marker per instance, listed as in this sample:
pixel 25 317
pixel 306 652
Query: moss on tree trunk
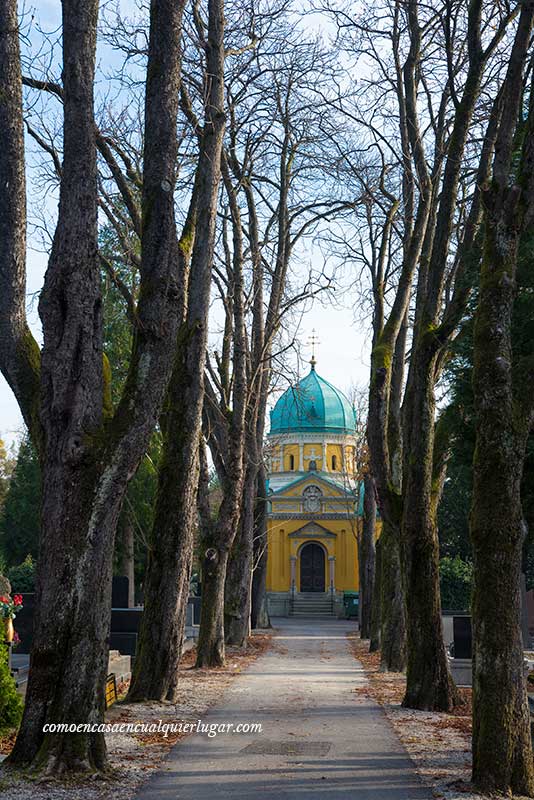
pixel 239 571
pixel 376 612
pixel 210 647
pixel 393 615
pixel 428 681
pixel 502 750
pixel 367 557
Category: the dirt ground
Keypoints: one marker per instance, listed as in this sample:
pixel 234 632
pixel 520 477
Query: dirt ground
pixel 439 744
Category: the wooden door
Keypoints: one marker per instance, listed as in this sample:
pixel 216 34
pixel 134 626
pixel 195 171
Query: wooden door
pixel 312 568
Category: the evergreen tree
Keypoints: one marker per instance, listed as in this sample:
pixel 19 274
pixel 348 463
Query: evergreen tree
pixel 7 464
pixel 19 520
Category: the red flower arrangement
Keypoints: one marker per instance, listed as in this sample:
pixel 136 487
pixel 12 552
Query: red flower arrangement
pixel 9 607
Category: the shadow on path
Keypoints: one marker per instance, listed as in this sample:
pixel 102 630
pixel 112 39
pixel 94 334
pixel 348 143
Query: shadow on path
pixel 319 738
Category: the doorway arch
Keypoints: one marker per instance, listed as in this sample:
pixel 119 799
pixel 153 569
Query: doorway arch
pixel 312 568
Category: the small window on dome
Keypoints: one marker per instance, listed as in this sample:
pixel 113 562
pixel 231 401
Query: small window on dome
pixel 334 463
pixel 291 463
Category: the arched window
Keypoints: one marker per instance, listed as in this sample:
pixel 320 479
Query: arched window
pixel 291 463
pixel 334 463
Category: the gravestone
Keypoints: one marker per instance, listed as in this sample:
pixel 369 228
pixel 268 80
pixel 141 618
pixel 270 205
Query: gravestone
pixel 24 622
pixel 195 602
pixel 119 591
pixel 124 642
pixel 462 636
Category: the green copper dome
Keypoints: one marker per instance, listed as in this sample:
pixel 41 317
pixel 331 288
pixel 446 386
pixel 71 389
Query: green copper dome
pixel 313 405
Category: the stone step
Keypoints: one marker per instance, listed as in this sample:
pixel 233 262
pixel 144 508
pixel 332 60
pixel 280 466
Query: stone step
pixel 309 603
pixel 313 615
pixel 312 595
pixel 326 602
pixel 319 601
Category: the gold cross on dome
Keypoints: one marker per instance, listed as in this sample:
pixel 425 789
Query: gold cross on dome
pixel 313 340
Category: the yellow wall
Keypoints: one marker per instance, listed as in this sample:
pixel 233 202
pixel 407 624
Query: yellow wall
pixel 291 450
pixel 287 450
pixel 276 454
pixel 342 545
pixel 337 451
pixel 281 548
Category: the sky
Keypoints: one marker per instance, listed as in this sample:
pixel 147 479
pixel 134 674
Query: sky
pixel 343 350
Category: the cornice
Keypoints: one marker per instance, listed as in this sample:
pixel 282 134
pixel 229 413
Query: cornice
pixel 309 516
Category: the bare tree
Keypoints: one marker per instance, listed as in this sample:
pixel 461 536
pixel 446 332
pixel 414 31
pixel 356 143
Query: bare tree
pixel 502 380
pixel 286 197
pixel 171 547
pixel 446 115
pixel 88 450
pixel 437 313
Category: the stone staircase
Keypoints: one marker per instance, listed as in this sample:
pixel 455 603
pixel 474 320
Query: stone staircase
pixel 311 604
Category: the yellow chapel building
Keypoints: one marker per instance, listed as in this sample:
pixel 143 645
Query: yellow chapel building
pixel 314 500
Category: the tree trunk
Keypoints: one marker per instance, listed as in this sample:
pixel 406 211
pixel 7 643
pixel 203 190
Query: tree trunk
pixel 217 540
pixel 429 685
pixel 127 560
pixel 170 552
pixel 502 749
pixel 376 612
pixel 385 446
pixel 68 665
pixel 210 646
pixel 393 614
pixel 367 556
pixel 169 565
pixel 239 571
pixel 260 611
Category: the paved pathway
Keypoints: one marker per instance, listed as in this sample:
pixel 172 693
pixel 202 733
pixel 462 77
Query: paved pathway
pixel 320 741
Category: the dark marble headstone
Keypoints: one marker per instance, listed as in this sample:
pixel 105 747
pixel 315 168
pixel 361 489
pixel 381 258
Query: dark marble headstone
pixel 23 623
pixel 196 603
pixel 461 627
pixel 119 591
pixel 125 643
pixel 125 620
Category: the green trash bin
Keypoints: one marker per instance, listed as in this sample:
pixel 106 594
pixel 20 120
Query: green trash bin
pixel 351 602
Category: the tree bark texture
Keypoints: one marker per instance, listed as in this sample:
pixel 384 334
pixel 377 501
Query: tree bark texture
pixel 367 556
pixel 502 746
pixel 259 609
pixel 429 684
pixel 376 612
pixel 502 752
pixel 239 571
pixel 19 352
pixel 392 604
